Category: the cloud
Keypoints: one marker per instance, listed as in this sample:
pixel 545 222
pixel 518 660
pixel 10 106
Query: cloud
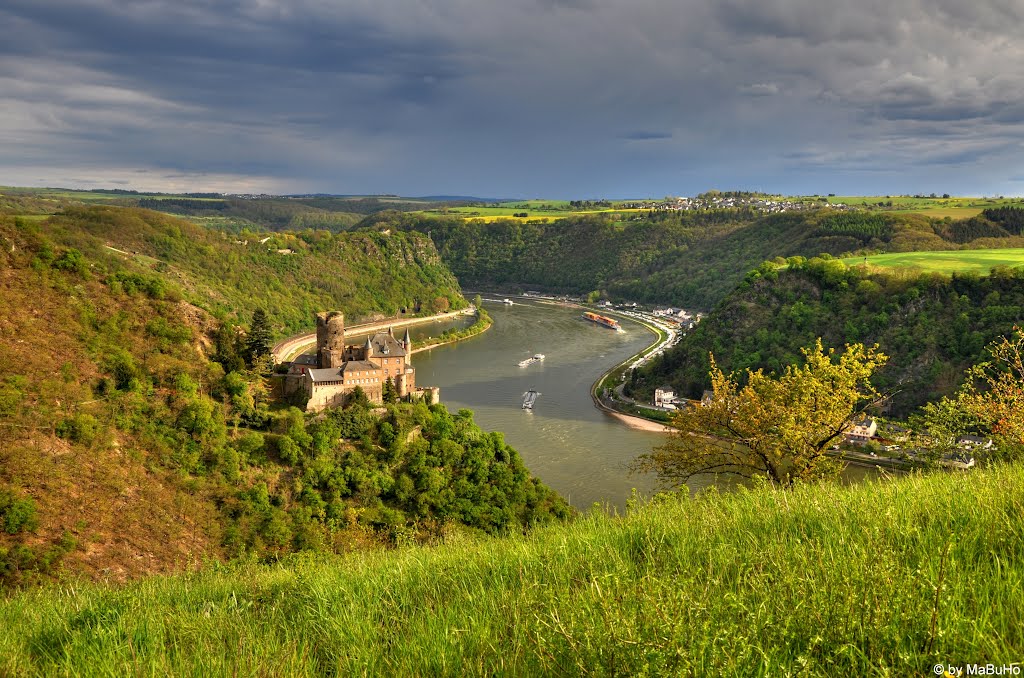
pixel 760 89
pixel 525 97
pixel 646 136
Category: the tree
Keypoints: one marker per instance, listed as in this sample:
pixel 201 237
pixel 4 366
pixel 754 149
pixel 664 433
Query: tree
pixel 358 398
pixel 258 343
pixel 440 304
pixel 227 347
pixel 990 403
pixel 779 428
pixel 478 302
pixel 389 395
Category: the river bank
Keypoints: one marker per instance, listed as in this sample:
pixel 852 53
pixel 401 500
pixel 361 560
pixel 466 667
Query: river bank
pixel 483 323
pixel 638 423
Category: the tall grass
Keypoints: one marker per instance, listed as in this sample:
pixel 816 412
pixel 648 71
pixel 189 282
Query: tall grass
pixel 883 578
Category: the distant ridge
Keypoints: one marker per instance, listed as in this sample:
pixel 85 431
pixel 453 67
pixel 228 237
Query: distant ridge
pixel 424 198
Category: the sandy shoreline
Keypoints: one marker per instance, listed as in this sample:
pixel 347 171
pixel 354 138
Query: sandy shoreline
pixel 639 423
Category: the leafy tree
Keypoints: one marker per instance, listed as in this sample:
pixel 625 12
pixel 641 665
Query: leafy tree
pixel 990 403
pixel 258 343
pixel 779 428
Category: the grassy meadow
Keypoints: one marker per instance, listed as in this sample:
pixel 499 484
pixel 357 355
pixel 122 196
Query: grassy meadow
pixel 939 208
pixel 947 261
pixel 885 578
pixel 537 210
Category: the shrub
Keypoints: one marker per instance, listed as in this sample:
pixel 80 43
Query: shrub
pixel 18 515
pixel 81 428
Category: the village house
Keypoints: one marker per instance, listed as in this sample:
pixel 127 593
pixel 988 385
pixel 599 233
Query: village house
pixel 862 432
pixel 665 397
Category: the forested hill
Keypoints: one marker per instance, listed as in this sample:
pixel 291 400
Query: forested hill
pixel 932 326
pixel 366 274
pixel 690 259
pixel 136 439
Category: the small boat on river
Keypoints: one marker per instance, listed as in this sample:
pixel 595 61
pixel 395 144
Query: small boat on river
pixel 529 398
pixel 536 358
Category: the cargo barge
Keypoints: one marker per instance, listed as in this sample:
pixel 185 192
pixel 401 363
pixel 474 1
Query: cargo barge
pixel 601 320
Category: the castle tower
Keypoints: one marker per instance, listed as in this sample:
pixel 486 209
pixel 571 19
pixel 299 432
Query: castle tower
pixel 330 338
pixel 407 345
pixel 367 349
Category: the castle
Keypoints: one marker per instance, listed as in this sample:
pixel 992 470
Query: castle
pixel 328 377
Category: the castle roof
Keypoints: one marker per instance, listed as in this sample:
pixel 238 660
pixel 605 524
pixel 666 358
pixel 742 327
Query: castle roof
pixel 383 344
pixel 358 366
pixel 338 373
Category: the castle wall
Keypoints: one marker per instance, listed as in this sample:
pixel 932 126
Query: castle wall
pixel 323 397
pixel 392 366
pixel 405 383
pixel 432 394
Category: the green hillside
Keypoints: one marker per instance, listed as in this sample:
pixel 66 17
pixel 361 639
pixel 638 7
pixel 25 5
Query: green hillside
pixel 933 326
pixel 882 578
pixel 368 274
pixel 139 436
pixel 223 212
pixel 691 259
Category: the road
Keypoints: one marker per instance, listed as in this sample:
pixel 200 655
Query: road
pixel 286 349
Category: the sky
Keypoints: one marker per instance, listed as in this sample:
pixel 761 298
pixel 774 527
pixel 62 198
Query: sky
pixel 518 98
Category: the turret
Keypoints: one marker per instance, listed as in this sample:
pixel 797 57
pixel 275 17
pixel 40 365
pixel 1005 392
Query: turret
pixel 407 343
pixel 330 338
pixel 391 331
pixel 367 349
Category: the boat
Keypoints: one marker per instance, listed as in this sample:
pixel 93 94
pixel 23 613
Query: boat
pixel 536 358
pixel 529 398
pixel 601 320
pixel 507 301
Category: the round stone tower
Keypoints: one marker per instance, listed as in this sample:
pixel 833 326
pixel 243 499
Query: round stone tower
pixel 330 338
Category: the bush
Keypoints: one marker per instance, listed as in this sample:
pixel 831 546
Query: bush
pixel 71 261
pixel 18 515
pixel 81 428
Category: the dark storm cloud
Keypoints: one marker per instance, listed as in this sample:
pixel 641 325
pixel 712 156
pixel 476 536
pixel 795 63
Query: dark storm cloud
pixel 531 97
pixel 646 136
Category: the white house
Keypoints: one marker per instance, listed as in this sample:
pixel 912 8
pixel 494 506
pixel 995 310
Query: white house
pixel 862 432
pixel 664 396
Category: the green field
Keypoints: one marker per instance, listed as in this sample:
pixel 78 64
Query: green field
pixel 548 210
pixel 884 578
pixel 952 207
pixel 951 261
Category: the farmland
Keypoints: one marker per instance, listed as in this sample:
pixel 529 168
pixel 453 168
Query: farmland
pixel 952 207
pixel 947 261
pixel 535 210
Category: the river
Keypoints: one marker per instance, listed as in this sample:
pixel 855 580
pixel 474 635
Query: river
pixel 576 449
pixel 567 442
